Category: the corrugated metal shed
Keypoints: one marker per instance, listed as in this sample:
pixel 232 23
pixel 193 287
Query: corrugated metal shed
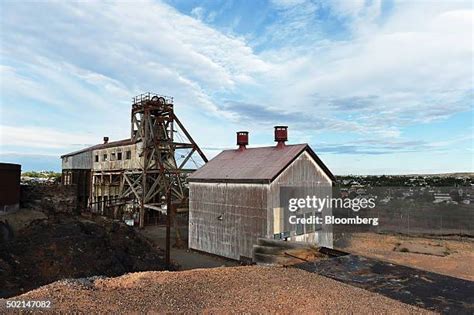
pixel 253 165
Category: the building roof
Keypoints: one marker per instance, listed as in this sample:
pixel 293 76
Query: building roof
pixel 253 164
pixel 110 144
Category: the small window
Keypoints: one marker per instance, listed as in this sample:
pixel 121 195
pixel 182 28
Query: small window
pixel 309 227
pixel 299 226
pixel 318 227
pixel 119 156
pixel 97 158
pixel 104 157
pixel 128 155
pixel 112 156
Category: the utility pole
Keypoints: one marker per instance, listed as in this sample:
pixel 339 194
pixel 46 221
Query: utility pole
pixel 168 229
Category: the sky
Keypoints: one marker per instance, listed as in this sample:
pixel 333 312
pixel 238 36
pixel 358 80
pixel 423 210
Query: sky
pixel 375 87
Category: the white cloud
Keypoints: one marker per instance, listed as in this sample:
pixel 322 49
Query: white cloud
pixel 44 138
pixel 89 59
pixel 198 12
pixel 414 69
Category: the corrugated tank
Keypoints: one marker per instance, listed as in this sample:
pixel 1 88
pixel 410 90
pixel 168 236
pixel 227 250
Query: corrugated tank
pixel 9 187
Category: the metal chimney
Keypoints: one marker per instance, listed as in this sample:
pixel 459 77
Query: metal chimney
pixel 281 135
pixel 242 139
pixel 106 140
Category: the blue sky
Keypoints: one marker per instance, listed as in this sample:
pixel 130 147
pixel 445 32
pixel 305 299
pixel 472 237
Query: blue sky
pixel 375 87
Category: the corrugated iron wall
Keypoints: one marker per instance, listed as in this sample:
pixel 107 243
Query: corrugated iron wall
pixel 226 219
pixel 302 173
pixel 81 161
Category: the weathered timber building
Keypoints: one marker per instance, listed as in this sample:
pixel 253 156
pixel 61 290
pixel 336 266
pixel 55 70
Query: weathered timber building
pixel 145 172
pixel 96 172
pixel 236 197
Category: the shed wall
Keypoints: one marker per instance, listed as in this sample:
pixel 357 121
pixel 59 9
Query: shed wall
pixel 303 172
pixel 226 219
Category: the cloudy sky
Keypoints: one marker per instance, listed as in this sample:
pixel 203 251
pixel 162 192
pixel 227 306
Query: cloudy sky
pixel 375 87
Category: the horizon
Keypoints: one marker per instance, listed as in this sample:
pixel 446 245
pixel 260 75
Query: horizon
pixel 333 72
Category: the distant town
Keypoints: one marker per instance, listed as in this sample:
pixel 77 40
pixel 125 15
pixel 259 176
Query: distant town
pixel 457 188
pixel 451 188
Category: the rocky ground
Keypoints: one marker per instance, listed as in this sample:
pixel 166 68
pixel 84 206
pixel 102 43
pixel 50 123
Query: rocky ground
pixel 71 247
pixel 251 289
pixel 46 242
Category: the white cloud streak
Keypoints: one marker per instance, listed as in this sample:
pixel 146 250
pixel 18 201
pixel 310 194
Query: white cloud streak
pixel 90 58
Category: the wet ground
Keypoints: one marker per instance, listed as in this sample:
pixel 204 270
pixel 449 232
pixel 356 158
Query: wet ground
pixel 424 289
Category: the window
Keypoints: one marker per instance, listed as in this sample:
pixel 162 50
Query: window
pixel 112 156
pixel 309 227
pixel 119 156
pixel 128 155
pixel 97 158
pixel 318 227
pixel 104 157
pixel 299 226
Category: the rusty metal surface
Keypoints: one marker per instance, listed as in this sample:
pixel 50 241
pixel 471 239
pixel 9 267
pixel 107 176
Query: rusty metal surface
pixel 9 184
pixel 253 164
pixel 424 289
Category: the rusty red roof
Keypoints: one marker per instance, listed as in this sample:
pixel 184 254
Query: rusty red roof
pixel 110 144
pixel 252 164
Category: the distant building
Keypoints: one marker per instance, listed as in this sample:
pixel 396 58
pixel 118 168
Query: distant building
pixel 442 197
pixel 235 197
pixel 96 171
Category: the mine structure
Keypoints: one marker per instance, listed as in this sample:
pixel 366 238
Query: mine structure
pixel 146 172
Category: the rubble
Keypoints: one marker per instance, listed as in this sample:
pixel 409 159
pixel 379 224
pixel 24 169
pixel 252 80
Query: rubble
pixel 51 243
pixel 49 198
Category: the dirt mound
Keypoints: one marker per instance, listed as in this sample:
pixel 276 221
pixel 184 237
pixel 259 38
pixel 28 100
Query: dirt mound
pixel 65 246
pixel 251 289
pixel 49 198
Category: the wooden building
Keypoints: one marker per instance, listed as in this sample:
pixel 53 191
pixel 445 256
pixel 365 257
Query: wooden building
pixel 96 172
pixel 235 198
pixel 136 178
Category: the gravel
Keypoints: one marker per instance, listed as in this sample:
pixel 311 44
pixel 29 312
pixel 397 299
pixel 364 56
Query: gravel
pixel 250 289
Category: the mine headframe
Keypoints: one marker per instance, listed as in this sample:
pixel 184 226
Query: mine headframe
pixel 165 148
